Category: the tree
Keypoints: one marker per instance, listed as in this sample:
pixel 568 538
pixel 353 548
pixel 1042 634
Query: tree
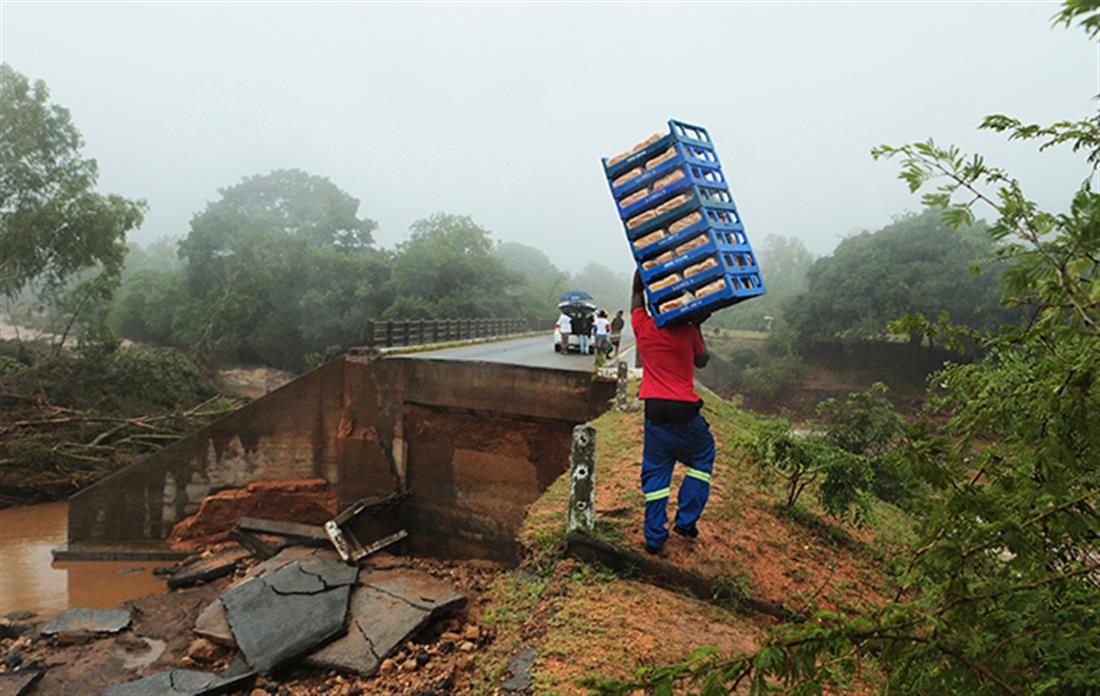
pixel 543 283
pixel 916 264
pixel 447 269
pixel 53 224
pixel 254 255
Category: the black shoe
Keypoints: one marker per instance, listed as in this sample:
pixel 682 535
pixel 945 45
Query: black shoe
pixel 653 549
pixel 691 531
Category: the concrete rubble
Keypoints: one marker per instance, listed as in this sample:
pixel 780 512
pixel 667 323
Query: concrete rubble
pixel 206 568
pixel 81 620
pixel 520 668
pixel 311 597
pixel 386 607
pixel 184 682
pixel 19 683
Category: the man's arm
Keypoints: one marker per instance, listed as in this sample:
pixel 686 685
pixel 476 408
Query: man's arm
pixel 703 357
pixel 637 293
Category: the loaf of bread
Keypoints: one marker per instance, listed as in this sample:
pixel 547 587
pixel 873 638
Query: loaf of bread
pixel 663 157
pixel 666 180
pixel 640 218
pixel 658 260
pixel 711 288
pixel 672 203
pixel 663 283
pixel 647 142
pixel 632 174
pixel 693 243
pixel 640 146
pixel 634 197
pixel 642 242
pixel 703 265
pixel 685 222
pixel 673 304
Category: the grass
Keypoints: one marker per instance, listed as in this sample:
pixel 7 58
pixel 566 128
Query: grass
pixel 584 621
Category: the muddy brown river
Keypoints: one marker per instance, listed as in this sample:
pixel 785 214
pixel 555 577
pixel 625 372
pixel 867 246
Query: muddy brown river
pixel 31 581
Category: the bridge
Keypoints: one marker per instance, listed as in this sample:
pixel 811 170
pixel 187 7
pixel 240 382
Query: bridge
pixel 475 431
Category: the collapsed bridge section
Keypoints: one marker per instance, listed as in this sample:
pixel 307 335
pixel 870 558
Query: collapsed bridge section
pixel 475 443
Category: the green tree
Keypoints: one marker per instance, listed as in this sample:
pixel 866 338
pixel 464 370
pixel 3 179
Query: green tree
pixel 53 224
pixel 916 264
pixel 255 255
pixel 543 283
pixel 447 269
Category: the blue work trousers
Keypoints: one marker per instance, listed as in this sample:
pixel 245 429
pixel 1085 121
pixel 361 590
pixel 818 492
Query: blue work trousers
pixel 665 444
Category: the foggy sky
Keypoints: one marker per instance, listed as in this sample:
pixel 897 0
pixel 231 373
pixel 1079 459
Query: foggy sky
pixel 503 111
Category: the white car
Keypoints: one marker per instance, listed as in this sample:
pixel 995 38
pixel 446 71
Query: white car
pixel 576 311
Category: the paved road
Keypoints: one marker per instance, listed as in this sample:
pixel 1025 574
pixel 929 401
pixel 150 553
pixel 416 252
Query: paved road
pixel 534 351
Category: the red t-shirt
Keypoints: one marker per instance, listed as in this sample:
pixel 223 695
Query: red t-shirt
pixel 668 355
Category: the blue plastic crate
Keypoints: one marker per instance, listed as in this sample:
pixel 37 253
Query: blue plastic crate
pixel 709 219
pixel 718 241
pixel 694 175
pixel 739 287
pixel 685 155
pixel 737 261
pixel 679 132
pixel 717 198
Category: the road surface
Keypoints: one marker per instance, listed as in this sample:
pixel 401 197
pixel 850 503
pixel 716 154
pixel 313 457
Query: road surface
pixel 533 351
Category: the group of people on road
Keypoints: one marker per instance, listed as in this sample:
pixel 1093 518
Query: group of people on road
pixel 597 333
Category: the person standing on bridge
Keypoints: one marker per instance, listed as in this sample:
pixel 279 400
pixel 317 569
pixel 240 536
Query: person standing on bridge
pixel 565 327
pixel 617 325
pixel 602 328
pixel 675 430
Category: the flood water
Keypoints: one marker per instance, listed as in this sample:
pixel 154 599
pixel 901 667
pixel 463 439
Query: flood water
pixel 31 581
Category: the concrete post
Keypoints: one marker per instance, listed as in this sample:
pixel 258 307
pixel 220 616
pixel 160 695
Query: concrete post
pixel 582 481
pixel 620 386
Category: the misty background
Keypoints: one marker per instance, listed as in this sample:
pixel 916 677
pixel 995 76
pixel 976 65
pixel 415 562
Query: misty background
pixel 502 112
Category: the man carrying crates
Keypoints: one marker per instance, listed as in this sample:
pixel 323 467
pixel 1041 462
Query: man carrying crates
pixel 675 430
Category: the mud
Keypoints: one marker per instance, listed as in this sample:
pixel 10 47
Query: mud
pixel 310 501
pixel 482 469
pixel 31 581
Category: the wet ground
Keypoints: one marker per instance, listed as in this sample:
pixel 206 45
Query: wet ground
pixel 31 581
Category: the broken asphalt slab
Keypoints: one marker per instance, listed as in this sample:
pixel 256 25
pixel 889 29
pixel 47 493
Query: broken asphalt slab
pixel 212 623
pixel 217 564
pixel 19 683
pixel 288 612
pixel 81 620
pixel 184 682
pixel 387 608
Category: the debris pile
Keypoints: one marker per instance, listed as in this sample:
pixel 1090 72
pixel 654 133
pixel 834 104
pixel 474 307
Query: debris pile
pixel 309 501
pixel 312 606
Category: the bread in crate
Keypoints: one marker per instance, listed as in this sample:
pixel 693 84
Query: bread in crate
pixel 658 260
pixel 640 146
pixel 664 282
pixel 651 238
pixel 675 303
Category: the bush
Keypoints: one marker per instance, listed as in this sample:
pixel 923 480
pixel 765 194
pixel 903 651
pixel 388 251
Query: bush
pixel 802 461
pixel 867 426
pixel 126 382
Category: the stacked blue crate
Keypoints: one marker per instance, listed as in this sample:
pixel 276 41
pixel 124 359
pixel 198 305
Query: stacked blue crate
pixel 683 226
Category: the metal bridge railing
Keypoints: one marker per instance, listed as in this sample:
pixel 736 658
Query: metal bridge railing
pixel 415 332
